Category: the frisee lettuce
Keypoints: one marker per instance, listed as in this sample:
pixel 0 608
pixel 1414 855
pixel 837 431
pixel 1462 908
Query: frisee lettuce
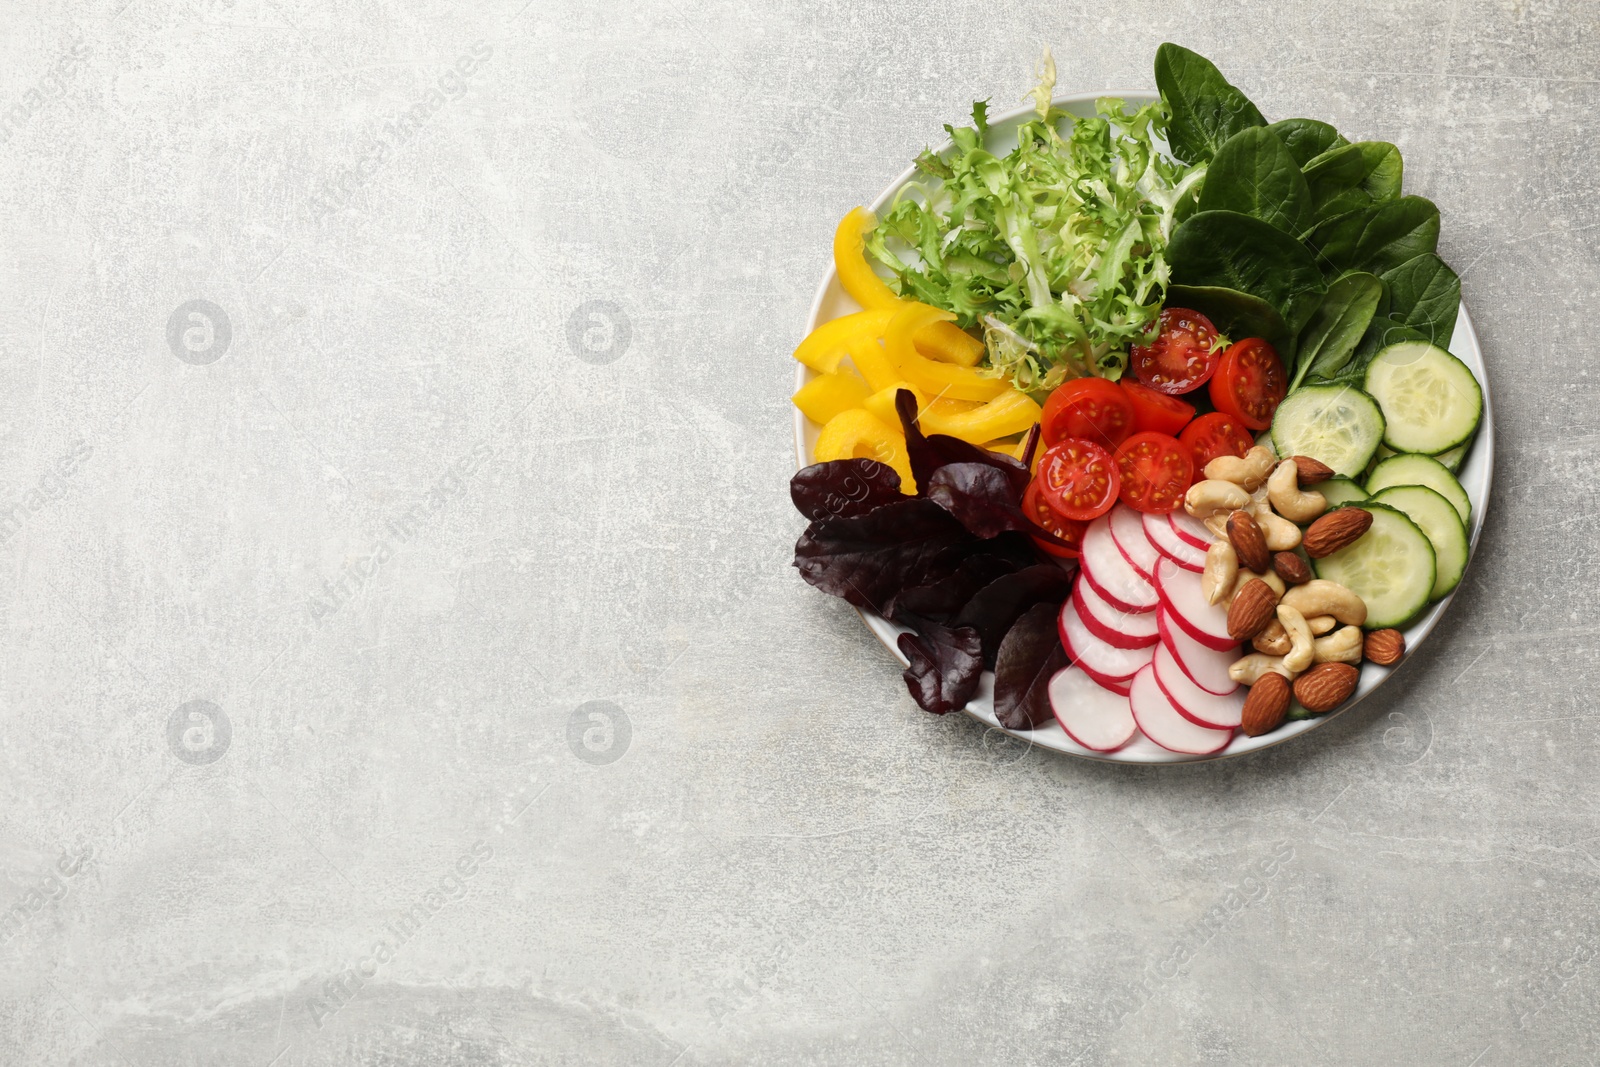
pixel 1057 250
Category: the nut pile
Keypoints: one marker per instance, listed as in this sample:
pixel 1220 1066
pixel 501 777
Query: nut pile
pixel 1305 631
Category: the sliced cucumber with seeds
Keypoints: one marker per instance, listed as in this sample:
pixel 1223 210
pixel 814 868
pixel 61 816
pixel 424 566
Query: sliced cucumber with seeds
pixel 1409 469
pixel 1437 519
pixel 1431 402
pixel 1452 459
pixel 1340 490
pixel 1391 567
pixel 1337 424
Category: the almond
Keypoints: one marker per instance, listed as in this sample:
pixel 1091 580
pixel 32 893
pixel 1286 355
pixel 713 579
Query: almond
pixel 1253 607
pixel 1312 471
pixel 1266 705
pixel 1249 542
pixel 1335 530
pixel 1291 568
pixel 1326 686
pixel 1385 647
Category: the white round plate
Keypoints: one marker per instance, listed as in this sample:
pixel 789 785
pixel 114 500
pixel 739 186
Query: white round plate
pixel 1475 474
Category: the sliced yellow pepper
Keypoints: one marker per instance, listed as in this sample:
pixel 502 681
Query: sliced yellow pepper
pixel 850 260
pixel 873 362
pixel 829 343
pixel 881 403
pixel 827 395
pixel 857 434
pixel 933 377
pixel 1009 413
pixel 949 343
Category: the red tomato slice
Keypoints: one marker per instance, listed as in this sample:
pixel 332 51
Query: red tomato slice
pixel 1213 435
pixel 1078 479
pixel 1089 408
pixel 1182 357
pixel 1156 472
pixel 1156 411
pixel 1035 508
pixel 1250 382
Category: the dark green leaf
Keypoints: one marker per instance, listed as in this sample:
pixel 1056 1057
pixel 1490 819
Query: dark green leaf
pixel 1227 250
pixel 1424 294
pixel 1306 138
pixel 1377 238
pixel 1206 109
pixel 1330 338
pixel 1254 174
pixel 1380 335
pixel 1354 176
pixel 1239 315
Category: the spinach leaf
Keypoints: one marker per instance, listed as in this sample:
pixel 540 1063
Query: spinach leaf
pixel 1227 250
pixel 1306 138
pixel 1206 109
pixel 1236 314
pixel 1254 174
pixel 1353 177
pixel 1424 294
pixel 1330 338
pixel 1377 238
pixel 1382 333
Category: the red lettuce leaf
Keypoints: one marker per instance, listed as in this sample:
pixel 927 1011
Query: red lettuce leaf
pixel 945 666
pixel 994 609
pixel 941 600
pixel 867 559
pixel 928 454
pixel 1029 656
pixel 980 497
pixel 844 487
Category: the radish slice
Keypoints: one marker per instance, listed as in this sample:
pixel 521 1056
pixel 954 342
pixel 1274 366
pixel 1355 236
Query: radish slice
pixel 1184 601
pixel 1112 576
pixel 1124 629
pixel 1207 667
pixel 1190 529
pixel 1096 718
pixel 1193 702
pixel 1162 724
pixel 1127 530
pixel 1105 663
pixel 1173 547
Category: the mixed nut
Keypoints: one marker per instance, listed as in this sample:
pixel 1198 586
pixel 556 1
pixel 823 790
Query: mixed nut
pixel 1305 631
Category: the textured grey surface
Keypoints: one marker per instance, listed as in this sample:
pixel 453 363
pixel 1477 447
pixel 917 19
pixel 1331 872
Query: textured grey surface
pixel 501 429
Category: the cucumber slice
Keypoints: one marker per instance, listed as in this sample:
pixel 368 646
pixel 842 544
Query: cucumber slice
pixel 1452 459
pixel 1339 490
pixel 1431 402
pixel 1421 470
pixel 1437 518
pixel 1337 424
pixel 1391 567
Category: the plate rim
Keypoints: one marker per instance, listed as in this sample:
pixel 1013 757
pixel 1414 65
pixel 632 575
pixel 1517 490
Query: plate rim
pixel 882 628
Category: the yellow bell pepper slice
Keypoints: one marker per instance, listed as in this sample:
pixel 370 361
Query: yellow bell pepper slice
pixel 873 362
pixel 881 403
pixel 850 260
pixel 829 343
pixel 857 434
pixel 827 395
pixel 949 343
pixel 933 377
pixel 1009 413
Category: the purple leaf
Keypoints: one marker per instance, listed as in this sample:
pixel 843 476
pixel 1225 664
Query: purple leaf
pixel 945 666
pixel 1029 656
pixel 928 454
pixel 869 558
pixel 979 496
pixel 941 600
pixel 994 609
pixel 844 487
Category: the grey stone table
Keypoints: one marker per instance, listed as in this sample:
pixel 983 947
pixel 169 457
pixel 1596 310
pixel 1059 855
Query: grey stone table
pixel 402 662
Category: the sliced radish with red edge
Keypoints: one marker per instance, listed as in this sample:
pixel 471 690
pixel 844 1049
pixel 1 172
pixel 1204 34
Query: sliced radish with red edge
pixel 1093 716
pixel 1127 530
pixel 1190 529
pixel 1186 603
pixel 1112 576
pixel 1123 629
pixel 1104 662
pixel 1171 546
pixel 1207 667
pixel 1162 723
pixel 1193 702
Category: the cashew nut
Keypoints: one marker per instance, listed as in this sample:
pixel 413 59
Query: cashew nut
pixel 1273 639
pixel 1217 524
pixel 1293 503
pixel 1249 470
pixel 1281 535
pixel 1244 576
pixel 1322 597
pixel 1321 624
pixel 1341 647
pixel 1298 658
pixel 1254 667
pixel 1221 571
pixel 1214 495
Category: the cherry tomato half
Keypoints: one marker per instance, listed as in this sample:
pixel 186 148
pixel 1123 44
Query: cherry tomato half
pixel 1156 411
pixel 1156 472
pixel 1250 382
pixel 1090 408
pixel 1078 479
pixel 1182 358
pixel 1213 435
pixel 1042 514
